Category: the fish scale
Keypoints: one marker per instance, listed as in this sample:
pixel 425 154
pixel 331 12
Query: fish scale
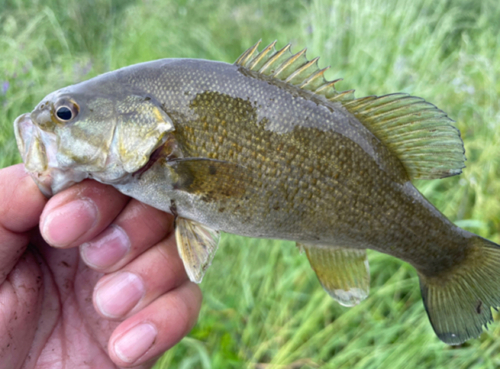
pixel 267 147
pixel 309 224
pixel 335 196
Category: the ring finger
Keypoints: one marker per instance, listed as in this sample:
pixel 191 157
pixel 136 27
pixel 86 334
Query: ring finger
pixel 156 328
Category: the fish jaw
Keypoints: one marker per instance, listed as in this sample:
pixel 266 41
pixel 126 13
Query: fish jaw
pixel 38 150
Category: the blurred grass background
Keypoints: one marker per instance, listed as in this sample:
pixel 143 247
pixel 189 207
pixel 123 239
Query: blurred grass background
pixel 263 307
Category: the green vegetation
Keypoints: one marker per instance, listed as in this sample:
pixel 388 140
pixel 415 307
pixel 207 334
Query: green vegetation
pixel 263 306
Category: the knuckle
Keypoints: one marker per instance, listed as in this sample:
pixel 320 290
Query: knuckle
pixel 182 312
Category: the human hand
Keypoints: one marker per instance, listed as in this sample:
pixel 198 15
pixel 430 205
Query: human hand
pixel 121 299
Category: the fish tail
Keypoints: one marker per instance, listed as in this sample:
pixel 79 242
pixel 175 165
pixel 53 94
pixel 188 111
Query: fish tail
pixel 459 301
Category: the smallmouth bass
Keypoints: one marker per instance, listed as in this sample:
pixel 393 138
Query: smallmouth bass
pixel 266 147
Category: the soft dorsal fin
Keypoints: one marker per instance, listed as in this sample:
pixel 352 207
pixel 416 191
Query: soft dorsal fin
pixel 417 132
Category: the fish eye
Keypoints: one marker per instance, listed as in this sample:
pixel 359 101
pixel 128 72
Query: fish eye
pixel 66 111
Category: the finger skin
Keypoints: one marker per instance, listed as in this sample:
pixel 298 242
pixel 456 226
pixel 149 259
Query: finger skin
pixel 159 270
pixel 21 204
pixel 105 200
pixel 143 225
pixel 21 297
pixel 173 315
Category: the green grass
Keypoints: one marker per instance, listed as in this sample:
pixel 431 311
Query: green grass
pixel 263 307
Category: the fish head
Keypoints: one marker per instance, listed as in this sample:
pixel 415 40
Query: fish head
pixel 96 129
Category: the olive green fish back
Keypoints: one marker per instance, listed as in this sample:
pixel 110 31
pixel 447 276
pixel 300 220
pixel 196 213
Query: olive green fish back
pixel 417 132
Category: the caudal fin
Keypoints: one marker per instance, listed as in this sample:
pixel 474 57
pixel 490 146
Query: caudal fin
pixel 459 303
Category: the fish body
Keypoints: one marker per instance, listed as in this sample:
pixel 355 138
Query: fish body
pixel 267 148
pixel 315 174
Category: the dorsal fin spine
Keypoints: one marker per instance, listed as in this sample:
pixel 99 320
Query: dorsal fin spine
pixel 261 56
pixel 360 102
pixel 286 65
pixel 343 96
pixel 327 89
pixel 328 84
pixel 292 68
pixel 301 70
pixel 273 59
pixel 315 80
pixel 247 55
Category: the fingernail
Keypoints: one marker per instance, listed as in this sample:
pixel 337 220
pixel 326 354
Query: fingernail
pixel 119 294
pixel 107 249
pixel 66 223
pixel 136 342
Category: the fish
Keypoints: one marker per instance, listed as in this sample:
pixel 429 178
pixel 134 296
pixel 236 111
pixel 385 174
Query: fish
pixel 267 147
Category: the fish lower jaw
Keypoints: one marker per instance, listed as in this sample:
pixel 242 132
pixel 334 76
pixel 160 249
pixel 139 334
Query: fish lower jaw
pixel 44 183
pixel 53 181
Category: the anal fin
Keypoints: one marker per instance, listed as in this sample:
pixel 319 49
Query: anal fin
pixel 197 245
pixel 344 273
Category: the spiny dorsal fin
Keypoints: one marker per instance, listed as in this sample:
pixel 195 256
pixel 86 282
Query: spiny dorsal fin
pixel 295 69
pixel 417 132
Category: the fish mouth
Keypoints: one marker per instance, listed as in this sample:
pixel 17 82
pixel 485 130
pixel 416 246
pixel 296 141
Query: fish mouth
pixel 32 152
pixel 39 153
pixel 23 129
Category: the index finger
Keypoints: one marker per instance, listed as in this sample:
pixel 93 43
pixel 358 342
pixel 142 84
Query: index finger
pixel 21 204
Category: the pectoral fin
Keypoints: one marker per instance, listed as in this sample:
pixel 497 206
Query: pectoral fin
pixel 343 273
pixel 197 245
pixel 211 179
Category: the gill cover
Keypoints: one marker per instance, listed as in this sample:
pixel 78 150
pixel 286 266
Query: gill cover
pixel 82 132
pixel 113 134
pixel 141 128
